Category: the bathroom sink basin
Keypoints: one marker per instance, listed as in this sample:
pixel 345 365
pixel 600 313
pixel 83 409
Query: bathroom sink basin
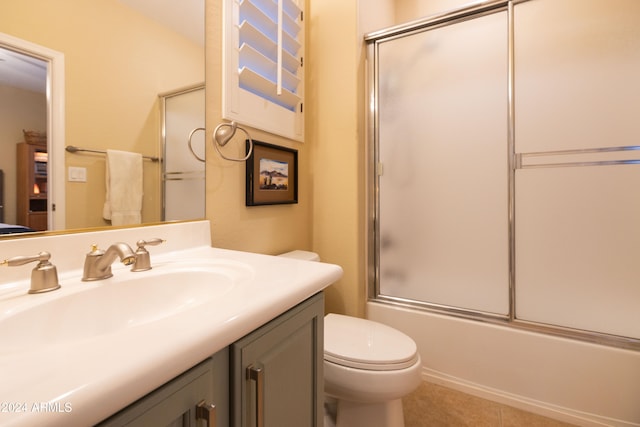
pixel 126 300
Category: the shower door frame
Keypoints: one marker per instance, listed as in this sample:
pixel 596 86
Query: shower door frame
pixel 373 172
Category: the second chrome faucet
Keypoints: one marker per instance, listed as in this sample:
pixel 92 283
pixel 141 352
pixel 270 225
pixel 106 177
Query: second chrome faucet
pixel 97 263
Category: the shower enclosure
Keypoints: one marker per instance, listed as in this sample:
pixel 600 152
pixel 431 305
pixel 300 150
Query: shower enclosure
pixel 504 166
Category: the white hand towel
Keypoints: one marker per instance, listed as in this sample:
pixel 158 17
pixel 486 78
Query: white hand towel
pixel 123 202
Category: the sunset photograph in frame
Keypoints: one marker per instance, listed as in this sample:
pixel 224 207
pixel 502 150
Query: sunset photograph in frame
pixel 271 175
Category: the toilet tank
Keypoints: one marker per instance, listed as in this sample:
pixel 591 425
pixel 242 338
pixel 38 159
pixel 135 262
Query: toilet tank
pixel 303 255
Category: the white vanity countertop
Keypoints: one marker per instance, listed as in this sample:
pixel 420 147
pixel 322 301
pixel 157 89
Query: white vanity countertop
pixel 83 382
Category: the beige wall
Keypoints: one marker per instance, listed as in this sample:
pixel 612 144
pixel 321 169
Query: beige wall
pixel 409 10
pixel 336 137
pixel 330 218
pixel 263 229
pixel 19 109
pixel 116 61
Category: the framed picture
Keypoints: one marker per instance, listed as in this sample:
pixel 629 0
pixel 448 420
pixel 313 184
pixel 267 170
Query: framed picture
pixel 271 175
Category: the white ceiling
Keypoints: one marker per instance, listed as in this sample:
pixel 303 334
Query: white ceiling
pixel 22 71
pixel 183 16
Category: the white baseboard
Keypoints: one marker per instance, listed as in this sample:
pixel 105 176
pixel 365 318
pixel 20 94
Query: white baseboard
pixel 530 405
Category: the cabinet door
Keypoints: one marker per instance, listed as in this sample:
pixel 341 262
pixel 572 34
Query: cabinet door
pixel 277 376
pixel 174 404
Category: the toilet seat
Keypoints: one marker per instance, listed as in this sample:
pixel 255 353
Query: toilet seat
pixel 365 344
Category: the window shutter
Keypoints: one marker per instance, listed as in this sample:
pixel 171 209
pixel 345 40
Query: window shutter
pixel 263 78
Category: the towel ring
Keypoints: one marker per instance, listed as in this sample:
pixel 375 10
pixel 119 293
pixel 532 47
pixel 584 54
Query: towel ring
pixel 223 133
pixel 189 143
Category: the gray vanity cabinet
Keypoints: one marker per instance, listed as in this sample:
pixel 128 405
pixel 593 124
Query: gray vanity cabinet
pixel 272 377
pixel 183 401
pixel 277 375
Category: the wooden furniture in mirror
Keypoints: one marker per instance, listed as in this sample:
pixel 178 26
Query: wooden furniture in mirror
pixel 32 185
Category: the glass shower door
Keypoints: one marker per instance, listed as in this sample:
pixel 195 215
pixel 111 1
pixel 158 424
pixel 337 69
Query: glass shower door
pixel 442 107
pixel 577 204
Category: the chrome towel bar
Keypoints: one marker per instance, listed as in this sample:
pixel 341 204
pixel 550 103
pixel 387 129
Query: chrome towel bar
pixel 74 149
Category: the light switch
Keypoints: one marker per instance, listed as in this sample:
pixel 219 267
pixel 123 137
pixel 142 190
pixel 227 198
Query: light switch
pixel 77 174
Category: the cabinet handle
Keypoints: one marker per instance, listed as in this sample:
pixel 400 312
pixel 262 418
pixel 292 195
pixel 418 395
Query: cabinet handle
pixel 257 375
pixel 207 412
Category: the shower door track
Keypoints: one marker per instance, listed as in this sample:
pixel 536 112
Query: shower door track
pixel 515 161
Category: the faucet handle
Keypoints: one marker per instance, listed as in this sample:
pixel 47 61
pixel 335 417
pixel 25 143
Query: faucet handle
pixel 44 277
pixel 143 259
pixel 151 242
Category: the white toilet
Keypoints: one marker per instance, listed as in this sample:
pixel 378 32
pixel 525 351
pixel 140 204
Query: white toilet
pixel 368 368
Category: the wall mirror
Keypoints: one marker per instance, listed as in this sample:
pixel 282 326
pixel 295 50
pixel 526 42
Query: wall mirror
pixel 117 57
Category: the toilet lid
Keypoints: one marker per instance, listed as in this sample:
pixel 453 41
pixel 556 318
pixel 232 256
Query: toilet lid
pixel 365 344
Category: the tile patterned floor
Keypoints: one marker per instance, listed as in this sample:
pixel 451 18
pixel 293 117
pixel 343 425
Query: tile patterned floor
pixel 432 405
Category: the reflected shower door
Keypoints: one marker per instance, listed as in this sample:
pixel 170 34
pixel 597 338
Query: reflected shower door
pixel 443 153
pixel 183 174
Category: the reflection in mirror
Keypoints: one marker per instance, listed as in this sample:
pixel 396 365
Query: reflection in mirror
pixel 183 169
pixel 23 165
pixel 32 85
pixel 118 57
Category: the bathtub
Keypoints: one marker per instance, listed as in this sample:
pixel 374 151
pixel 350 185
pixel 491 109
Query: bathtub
pixel 573 381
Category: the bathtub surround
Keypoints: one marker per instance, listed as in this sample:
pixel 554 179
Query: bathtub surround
pixel 576 382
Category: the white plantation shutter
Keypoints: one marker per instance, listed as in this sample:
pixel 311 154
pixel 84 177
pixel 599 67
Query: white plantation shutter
pixel 263 83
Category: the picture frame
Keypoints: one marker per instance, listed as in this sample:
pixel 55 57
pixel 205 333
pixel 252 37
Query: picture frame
pixel 271 175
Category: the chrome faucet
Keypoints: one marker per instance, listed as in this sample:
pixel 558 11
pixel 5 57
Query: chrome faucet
pixel 97 263
pixel 44 277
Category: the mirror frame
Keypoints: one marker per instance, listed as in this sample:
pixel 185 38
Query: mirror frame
pixel 56 202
